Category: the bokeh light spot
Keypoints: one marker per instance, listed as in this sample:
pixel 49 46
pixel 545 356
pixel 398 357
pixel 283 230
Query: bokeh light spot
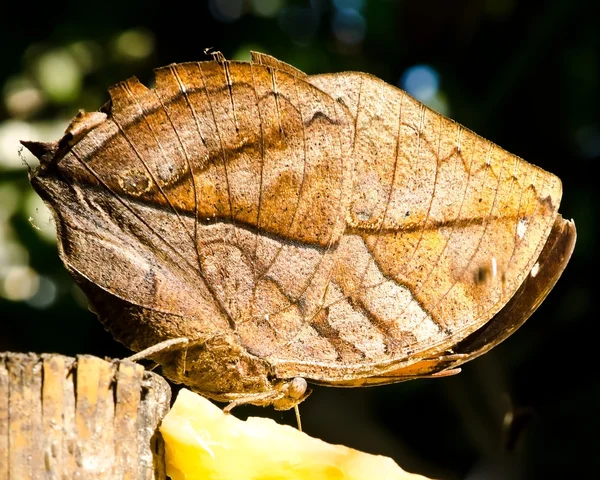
pixel 11 132
pixel 59 76
pixel 12 253
pixel 421 81
pixel 135 44
pixel 349 26
pixel 19 283
pixel 87 54
pixel 21 97
pixel 45 295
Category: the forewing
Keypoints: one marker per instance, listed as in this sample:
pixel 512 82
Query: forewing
pixel 220 194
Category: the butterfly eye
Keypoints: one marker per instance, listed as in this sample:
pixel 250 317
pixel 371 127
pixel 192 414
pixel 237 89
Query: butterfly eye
pixel 297 388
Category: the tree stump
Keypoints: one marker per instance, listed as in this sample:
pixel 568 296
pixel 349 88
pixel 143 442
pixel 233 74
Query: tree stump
pixel 84 417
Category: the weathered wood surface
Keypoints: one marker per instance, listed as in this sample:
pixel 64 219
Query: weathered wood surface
pixel 84 417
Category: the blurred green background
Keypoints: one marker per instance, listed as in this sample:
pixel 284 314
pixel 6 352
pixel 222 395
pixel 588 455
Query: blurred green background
pixel 523 74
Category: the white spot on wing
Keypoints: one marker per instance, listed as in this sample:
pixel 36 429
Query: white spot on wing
pixel 535 270
pixel 522 228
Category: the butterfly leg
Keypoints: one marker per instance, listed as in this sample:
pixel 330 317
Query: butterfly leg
pixel 263 398
pixel 160 347
pixel 181 343
pixel 268 398
pixel 283 396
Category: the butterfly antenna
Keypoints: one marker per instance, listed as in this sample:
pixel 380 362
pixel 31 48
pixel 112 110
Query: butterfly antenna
pixel 298 421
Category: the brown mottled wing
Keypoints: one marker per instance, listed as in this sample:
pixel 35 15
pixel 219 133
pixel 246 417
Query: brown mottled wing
pixel 443 227
pixel 544 275
pixel 333 225
pixel 532 292
pixel 220 194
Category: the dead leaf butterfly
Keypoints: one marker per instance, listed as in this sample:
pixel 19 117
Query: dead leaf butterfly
pixel 326 228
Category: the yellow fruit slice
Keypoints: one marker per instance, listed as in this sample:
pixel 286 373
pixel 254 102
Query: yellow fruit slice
pixel 203 443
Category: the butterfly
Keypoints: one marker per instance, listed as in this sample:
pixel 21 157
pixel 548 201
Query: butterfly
pixel 296 229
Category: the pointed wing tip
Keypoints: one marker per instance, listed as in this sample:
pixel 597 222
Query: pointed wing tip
pixel 571 223
pixel 550 265
pixel 43 151
pixel 568 232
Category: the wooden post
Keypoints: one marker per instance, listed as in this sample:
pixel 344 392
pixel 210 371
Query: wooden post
pixel 83 417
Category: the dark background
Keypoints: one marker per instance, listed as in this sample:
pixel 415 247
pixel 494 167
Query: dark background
pixel 523 74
